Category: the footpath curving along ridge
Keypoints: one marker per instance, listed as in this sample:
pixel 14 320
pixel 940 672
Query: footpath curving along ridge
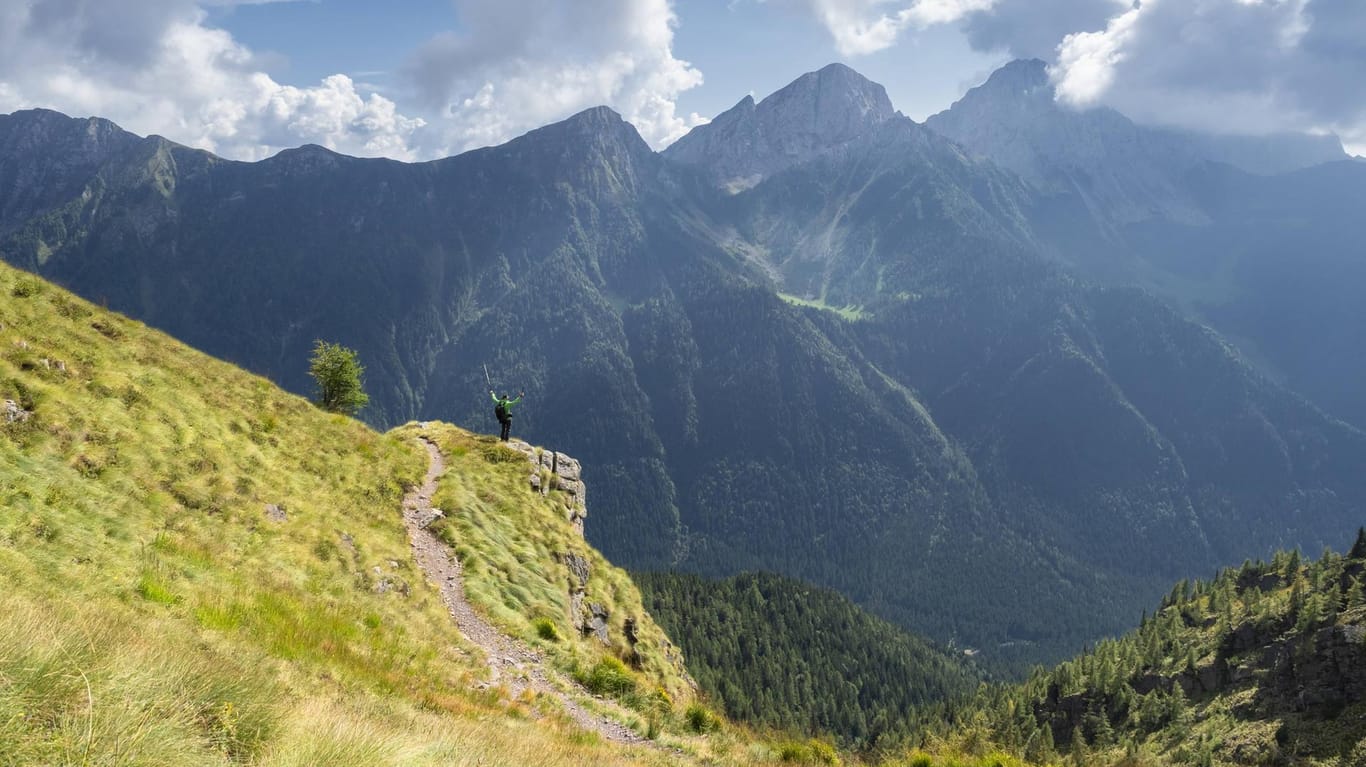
pixel 510 662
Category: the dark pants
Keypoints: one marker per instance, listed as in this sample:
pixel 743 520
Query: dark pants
pixel 507 426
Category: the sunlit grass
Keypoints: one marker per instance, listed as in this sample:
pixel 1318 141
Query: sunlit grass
pixel 849 313
pixel 514 543
pixel 152 613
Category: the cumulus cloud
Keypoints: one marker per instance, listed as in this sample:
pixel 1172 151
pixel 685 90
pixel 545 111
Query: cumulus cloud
pixel 866 26
pixel 1033 28
pixel 1246 66
pixel 518 64
pixel 154 67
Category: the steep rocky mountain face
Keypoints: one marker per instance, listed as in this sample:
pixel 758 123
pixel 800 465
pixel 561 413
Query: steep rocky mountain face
pixel 751 141
pixel 1117 171
pixel 1250 234
pixel 1123 173
pixel 977 447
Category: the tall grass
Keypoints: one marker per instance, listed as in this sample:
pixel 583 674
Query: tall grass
pixel 151 613
pixel 515 542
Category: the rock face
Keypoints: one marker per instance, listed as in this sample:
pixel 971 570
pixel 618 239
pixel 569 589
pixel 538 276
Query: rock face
pixel 1124 172
pixel 556 471
pixel 818 111
pixel 1270 670
pixel 553 472
pixel 14 413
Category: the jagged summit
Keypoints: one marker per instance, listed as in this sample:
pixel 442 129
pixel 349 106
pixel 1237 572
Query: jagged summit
pixel 1128 171
pixel 834 102
pixel 815 112
pixel 1019 74
pixel 597 149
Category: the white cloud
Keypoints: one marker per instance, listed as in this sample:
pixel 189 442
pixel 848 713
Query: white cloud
pixel 154 67
pixel 861 27
pixel 519 64
pixel 1033 28
pixel 1245 66
pixel 1087 60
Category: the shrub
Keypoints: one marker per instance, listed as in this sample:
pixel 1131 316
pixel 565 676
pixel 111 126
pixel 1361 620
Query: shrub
pixel 607 677
pixel 337 371
pixel 26 287
pixel 700 720
pixel 545 629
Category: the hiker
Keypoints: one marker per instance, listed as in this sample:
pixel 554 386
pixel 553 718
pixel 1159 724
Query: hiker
pixel 502 409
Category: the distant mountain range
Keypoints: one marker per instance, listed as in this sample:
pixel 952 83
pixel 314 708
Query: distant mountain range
pixel 1253 235
pixel 813 336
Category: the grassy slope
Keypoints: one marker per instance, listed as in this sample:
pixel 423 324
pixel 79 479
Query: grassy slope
pixel 155 615
pixel 515 544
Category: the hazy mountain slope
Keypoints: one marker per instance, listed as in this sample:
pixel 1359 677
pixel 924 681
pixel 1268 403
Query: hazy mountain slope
pixel 1123 173
pixel 1267 251
pixel 1280 268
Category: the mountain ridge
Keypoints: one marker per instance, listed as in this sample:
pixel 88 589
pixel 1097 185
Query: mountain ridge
pixel 832 352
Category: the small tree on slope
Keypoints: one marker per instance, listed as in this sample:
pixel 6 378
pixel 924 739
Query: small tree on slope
pixel 337 371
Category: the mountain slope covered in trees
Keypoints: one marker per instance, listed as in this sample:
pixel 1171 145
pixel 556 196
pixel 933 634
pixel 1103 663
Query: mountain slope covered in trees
pixel 776 652
pixel 1265 664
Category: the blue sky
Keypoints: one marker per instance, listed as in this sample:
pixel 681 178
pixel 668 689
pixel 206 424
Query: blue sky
pixel 420 79
pixel 740 47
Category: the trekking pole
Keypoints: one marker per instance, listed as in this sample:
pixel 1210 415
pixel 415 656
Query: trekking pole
pixel 486 376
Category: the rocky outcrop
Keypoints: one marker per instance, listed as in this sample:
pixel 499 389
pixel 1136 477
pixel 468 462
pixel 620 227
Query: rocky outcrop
pixel 14 413
pixel 557 475
pixel 552 471
pixel 1314 674
pixel 1320 673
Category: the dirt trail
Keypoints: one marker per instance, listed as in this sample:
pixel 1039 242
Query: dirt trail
pixel 511 663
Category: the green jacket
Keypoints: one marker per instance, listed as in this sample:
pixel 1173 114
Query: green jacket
pixel 507 403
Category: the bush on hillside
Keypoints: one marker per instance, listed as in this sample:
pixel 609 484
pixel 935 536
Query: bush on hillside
pixel 337 371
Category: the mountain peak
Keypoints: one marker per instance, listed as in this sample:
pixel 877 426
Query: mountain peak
pixel 593 124
pixel 1029 73
pixel 817 111
pixel 834 103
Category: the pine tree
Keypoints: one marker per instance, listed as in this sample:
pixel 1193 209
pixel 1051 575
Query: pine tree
pixel 1292 565
pixel 1355 596
pixel 337 372
pixel 1079 751
pixel 1359 548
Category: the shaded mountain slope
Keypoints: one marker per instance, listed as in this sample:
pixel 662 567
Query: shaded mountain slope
pixel 1254 235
